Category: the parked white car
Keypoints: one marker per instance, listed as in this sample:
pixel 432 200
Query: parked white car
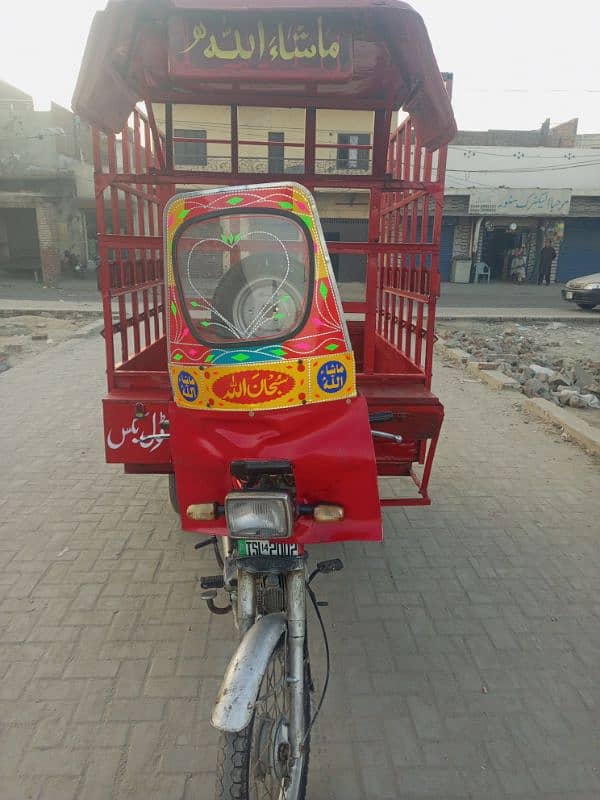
pixel 584 291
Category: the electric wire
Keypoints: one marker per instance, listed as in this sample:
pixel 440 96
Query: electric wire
pixel 313 598
pixel 520 151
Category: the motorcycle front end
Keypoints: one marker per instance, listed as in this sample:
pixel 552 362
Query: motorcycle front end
pixel 272 449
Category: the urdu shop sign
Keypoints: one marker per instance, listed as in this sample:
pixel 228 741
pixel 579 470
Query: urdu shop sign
pixel 520 202
pixel 273 46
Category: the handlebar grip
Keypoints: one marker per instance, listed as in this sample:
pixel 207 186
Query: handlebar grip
pixel 381 416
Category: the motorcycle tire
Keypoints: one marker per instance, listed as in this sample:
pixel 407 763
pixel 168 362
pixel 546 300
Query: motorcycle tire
pixel 173 493
pixel 235 760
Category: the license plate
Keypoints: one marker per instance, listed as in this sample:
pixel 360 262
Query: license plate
pixel 247 549
pixel 568 295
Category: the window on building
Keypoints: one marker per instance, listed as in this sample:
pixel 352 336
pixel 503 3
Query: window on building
pixel 190 153
pixel 353 157
pixel 276 152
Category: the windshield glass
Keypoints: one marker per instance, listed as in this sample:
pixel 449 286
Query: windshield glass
pixel 244 277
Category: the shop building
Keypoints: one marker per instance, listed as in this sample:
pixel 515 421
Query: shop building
pixel 507 190
pixel 46 186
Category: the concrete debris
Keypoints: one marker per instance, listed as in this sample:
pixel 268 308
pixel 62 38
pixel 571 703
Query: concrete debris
pixel 487 365
pixel 590 400
pixel 564 370
pixel 534 387
pixel 542 373
pixel 557 380
pixel 574 398
pixel 582 376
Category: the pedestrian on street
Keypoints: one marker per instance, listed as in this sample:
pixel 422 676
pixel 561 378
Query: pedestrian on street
pixel 518 268
pixel 547 256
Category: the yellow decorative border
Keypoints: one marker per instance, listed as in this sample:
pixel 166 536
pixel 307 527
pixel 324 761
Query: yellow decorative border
pixel 267 386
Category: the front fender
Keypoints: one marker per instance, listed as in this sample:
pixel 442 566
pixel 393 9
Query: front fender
pixel 237 695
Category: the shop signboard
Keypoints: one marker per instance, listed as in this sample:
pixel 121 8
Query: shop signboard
pixel 503 202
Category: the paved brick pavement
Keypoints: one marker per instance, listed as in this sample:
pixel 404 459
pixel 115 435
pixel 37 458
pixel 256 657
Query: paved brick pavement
pixel 466 648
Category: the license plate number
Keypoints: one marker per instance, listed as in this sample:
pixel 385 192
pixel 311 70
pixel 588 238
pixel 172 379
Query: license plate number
pixel 568 295
pixel 246 548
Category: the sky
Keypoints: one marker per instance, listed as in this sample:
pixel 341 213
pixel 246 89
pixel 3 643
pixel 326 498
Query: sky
pixel 514 63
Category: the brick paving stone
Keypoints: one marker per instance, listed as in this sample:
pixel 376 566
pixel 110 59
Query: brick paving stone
pixel 465 648
pixel 54 762
pixel 14 740
pixel 59 789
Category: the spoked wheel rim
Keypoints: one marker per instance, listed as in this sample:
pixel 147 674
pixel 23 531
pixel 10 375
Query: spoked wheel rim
pixel 273 774
pixel 267 305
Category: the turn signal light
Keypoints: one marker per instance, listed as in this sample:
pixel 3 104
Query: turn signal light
pixel 328 513
pixel 203 512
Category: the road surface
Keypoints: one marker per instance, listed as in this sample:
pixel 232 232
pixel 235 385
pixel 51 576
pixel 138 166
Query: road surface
pixel 465 648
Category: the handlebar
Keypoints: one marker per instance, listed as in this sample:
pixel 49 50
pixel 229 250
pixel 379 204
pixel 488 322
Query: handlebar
pixel 388 437
pixel 384 416
pixel 380 416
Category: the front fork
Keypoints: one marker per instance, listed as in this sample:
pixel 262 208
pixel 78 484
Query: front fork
pixel 296 634
pixel 296 615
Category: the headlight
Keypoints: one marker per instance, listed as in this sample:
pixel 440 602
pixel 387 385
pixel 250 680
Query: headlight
pixel 592 286
pixel 259 515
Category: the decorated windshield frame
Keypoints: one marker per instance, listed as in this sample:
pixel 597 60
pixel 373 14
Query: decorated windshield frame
pixel 237 343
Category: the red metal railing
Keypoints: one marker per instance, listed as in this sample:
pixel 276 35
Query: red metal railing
pixel 135 174
pixel 408 281
pixel 130 244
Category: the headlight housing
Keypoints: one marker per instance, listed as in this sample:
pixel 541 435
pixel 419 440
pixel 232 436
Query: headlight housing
pixel 259 515
pixel 592 286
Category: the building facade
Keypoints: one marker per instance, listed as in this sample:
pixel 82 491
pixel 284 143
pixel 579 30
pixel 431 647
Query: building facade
pixel 271 140
pixel 46 186
pixel 509 190
pixel 505 189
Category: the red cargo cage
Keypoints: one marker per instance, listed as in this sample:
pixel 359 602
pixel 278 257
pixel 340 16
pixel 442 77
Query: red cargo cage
pixel 392 329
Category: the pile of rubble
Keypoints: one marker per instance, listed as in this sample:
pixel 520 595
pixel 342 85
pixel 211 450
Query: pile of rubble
pixel 25 335
pixel 537 358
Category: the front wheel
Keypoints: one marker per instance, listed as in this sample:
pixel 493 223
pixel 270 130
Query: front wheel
pixel 255 763
pixel 586 306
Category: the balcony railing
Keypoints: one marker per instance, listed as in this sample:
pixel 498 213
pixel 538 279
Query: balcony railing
pixel 251 165
pixel 341 159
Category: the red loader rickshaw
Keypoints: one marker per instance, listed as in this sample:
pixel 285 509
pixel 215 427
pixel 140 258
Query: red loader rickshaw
pixel 234 367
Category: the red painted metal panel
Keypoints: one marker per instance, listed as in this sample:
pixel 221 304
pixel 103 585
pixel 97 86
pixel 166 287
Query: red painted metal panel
pixel 311 437
pixel 127 60
pixel 123 430
pixel 269 47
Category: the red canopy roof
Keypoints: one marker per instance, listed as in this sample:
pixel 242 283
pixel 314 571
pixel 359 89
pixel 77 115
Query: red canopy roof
pixel 127 59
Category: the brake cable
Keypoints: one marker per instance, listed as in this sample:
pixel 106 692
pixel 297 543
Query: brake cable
pixel 313 598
